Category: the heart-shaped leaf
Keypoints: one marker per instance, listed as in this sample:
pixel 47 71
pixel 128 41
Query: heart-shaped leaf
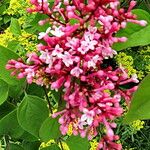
pixel 3 91
pixel 140 105
pixel 49 129
pixel 31 114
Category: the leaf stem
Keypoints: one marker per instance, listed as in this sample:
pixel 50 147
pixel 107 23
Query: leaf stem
pixel 48 101
pixel 60 100
pixel 7 142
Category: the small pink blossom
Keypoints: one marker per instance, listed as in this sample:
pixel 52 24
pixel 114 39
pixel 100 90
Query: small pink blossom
pixel 57 31
pixel 67 59
pixel 30 75
pixel 57 51
pixel 87 116
pixel 46 57
pixel 43 34
pixel 87 44
pixel 93 61
pixel 72 43
pixel 76 71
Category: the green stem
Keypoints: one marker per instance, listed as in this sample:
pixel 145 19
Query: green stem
pixel 48 101
pixel 7 142
pixel 60 100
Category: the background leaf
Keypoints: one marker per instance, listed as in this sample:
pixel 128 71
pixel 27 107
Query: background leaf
pixel 15 27
pixel 140 105
pixel 3 91
pixel 13 45
pixel 16 90
pixel 6 108
pixel 31 114
pixel 9 125
pixel 36 90
pixel 76 143
pixel 49 129
pixel 145 5
pixel 32 27
pixel 5 55
pixel 26 136
pixel 56 95
pixel 31 145
pixel 15 147
pixel 136 34
pixel 15 86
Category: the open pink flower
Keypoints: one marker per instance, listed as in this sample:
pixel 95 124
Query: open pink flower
pixel 46 57
pixel 57 31
pixel 57 51
pixel 88 43
pixel 93 61
pixel 67 59
pixel 43 34
pixel 87 116
pixel 76 71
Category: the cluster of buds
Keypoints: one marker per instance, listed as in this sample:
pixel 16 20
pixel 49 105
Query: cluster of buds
pixel 79 39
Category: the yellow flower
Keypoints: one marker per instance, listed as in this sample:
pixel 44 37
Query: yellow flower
pixel 28 41
pixel 127 62
pixel 64 145
pixel 17 7
pixel 6 37
pixel 137 125
pixel 70 129
pixel 93 144
pixel 14 6
pixel 50 142
pixel 140 75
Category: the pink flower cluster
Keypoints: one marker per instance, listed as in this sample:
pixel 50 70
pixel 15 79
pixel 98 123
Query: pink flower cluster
pixel 79 38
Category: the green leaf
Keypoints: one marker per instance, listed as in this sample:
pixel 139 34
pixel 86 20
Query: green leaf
pixel 9 125
pixel 51 1
pixel 34 89
pixel 15 86
pixel 31 114
pixel 13 45
pixel 140 104
pixel 7 18
pixel 3 91
pixel 31 145
pixel 73 21
pixel 15 147
pixel 2 8
pixel 15 27
pixel 52 147
pixel 26 136
pixel 5 55
pixel 136 34
pixel 33 26
pixel 76 143
pixel 49 129
pixel 16 90
pixel 6 108
pixel 56 95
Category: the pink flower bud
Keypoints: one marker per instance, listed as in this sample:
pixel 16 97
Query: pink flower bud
pixel 143 22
